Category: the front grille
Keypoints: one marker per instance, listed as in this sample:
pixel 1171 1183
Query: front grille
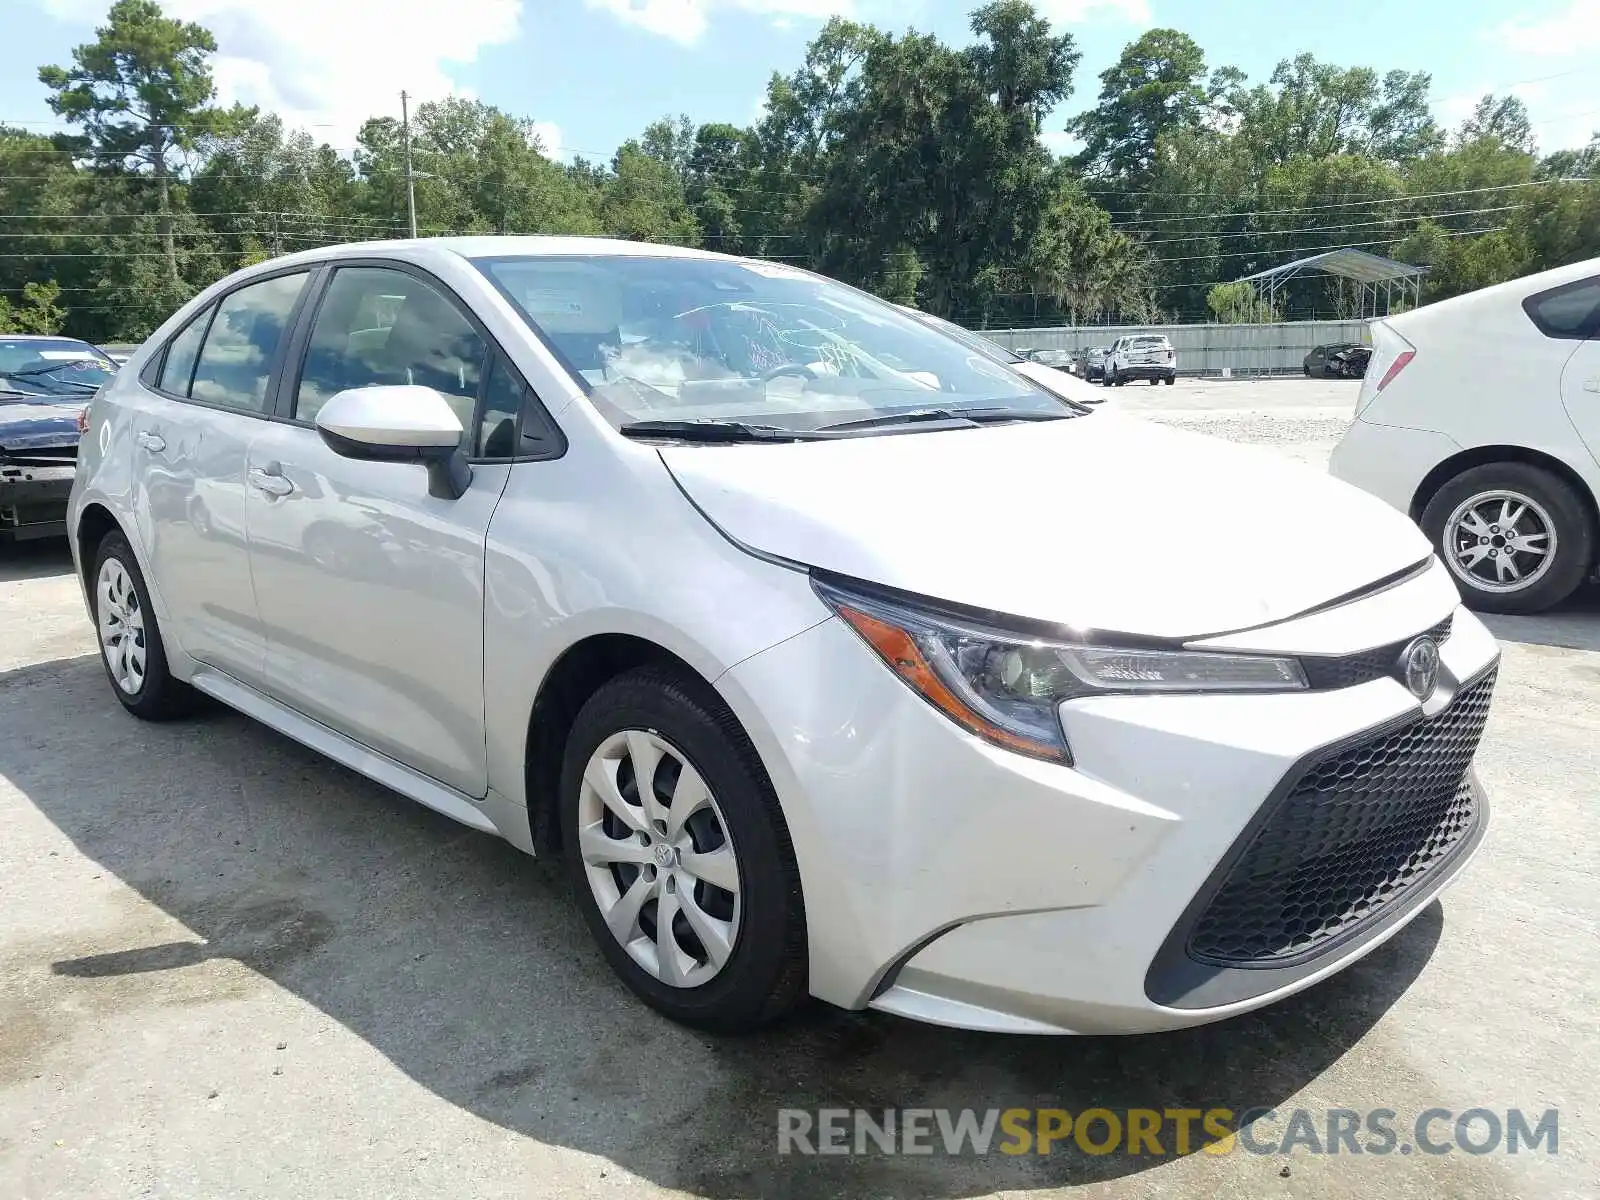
pixel 1325 673
pixel 1354 833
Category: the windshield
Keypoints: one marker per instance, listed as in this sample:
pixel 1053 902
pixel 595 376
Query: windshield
pixel 52 366
pixel 697 339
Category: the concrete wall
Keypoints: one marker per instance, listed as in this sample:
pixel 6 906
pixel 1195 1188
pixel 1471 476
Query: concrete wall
pixel 1204 349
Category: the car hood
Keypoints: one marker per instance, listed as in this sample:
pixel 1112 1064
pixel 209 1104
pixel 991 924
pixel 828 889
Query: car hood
pixel 32 424
pixel 1104 522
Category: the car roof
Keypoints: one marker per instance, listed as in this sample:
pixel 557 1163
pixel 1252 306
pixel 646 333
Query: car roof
pixel 490 245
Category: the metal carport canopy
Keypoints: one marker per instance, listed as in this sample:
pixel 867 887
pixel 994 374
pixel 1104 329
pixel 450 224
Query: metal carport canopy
pixel 1352 264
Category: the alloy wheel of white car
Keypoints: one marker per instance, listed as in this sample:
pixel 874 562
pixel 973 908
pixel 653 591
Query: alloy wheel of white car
pixel 658 858
pixel 121 622
pixel 1500 541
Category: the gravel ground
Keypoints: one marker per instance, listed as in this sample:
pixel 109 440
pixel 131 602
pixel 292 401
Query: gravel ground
pixel 230 968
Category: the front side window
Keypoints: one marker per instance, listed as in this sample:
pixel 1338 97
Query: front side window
pixel 236 360
pixel 379 326
pixel 692 339
pixel 1570 311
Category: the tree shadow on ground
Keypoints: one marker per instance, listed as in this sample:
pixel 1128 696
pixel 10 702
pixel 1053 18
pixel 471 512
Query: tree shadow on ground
pixel 467 966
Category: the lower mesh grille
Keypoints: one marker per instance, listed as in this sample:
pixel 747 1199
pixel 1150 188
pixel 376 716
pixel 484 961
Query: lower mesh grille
pixel 1354 833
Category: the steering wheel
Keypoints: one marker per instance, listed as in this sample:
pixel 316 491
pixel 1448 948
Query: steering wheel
pixel 800 369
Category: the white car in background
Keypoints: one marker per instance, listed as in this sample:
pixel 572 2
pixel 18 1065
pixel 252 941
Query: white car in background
pixel 1480 417
pixel 1141 356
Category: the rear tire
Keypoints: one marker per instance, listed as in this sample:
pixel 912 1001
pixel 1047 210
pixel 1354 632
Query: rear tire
pixel 131 649
pixel 1463 522
pixel 747 967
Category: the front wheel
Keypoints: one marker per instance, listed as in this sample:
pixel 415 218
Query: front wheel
pixel 1517 538
pixel 679 854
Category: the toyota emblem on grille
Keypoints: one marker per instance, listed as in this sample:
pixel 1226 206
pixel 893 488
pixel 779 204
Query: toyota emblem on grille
pixel 1419 667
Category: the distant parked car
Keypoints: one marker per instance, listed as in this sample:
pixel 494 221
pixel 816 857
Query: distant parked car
pixel 45 384
pixel 1141 356
pixel 1094 363
pixel 1480 416
pixel 1343 360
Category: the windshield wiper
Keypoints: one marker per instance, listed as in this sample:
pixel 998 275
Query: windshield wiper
pixel 708 430
pixel 46 370
pixel 958 417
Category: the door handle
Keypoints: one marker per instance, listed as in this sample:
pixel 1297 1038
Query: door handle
pixel 153 442
pixel 1591 385
pixel 270 479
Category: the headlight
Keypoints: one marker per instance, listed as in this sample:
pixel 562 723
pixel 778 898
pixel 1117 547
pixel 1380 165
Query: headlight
pixel 1004 686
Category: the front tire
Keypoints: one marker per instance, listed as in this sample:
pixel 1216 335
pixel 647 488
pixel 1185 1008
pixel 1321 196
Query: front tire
pixel 131 648
pixel 1517 538
pixel 679 855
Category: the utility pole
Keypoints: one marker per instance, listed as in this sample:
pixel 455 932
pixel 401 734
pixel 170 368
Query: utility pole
pixel 405 137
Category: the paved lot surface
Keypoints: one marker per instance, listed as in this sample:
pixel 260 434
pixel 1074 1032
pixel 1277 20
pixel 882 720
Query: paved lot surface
pixel 229 968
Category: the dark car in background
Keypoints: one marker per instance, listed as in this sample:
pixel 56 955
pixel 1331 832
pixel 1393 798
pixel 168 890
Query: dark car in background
pixel 1343 360
pixel 1094 363
pixel 45 386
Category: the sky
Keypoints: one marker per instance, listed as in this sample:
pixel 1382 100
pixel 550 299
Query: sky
pixel 595 72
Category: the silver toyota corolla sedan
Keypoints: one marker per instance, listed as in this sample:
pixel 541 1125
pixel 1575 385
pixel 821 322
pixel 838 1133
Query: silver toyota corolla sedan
pixel 835 655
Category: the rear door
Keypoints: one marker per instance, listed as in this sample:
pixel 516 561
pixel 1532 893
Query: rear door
pixel 1570 315
pixel 196 408
pixel 370 590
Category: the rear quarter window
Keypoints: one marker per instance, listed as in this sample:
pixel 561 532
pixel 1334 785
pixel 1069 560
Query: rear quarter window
pixel 1569 311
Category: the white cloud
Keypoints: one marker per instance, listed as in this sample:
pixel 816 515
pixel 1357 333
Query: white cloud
pixel 1574 31
pixel 328 65
pixel 1074 12
pixel 549 135
pixel 686 21
pixel 1059 141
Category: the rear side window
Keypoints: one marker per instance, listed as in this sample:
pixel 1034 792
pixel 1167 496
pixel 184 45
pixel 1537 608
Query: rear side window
pixel 178 368
pixel 242 344
pixel 1570 311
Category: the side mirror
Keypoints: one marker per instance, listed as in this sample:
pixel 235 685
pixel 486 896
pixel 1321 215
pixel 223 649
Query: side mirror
pixel 403 423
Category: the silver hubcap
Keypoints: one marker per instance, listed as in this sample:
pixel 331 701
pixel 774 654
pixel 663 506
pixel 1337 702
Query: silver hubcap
pixel 658 858
pixel 1500 541
pixel 121 621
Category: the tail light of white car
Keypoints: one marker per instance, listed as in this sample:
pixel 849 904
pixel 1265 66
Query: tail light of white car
pixel 1391 354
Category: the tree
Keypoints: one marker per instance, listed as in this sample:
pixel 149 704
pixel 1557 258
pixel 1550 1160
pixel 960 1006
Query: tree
pixel 1158 87
pixel 142 92
pixel 39 312
pixel 1503 118
pixel 1239 303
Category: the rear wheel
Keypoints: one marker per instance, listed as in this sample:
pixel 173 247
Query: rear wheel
pixel 1517 538
pixel 130 638
pixel 679 855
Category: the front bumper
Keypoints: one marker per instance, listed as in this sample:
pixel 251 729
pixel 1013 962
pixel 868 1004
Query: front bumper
pixel 953 882
pixel 33 501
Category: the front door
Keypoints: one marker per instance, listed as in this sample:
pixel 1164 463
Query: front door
pixel 194 420
pixel 370 590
